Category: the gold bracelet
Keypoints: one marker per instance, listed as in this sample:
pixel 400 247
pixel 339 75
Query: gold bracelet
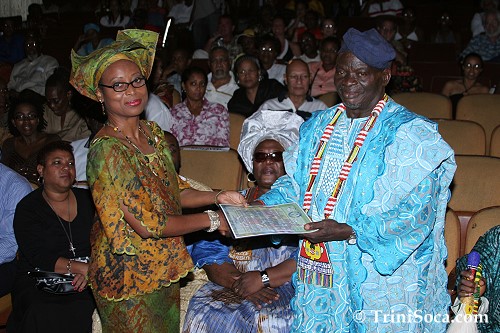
pixel 68 266
pixel 217 195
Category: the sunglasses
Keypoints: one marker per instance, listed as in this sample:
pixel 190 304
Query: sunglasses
pixel 276 156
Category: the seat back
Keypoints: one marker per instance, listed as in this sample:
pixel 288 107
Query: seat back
pixel 235 124
pixel 452 237
pixel 464 136
pixel 495 142
pixel 426 104
pixel 476 183
pixel 479 224
pixel 483 109
pixel 474 187
pixel 330 98
pixel 219 169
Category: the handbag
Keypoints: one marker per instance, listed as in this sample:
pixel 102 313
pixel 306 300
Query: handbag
pixel 52 282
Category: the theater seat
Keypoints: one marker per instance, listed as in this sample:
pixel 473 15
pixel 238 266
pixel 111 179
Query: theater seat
pixel 495 142
pixel 219 169
pixel 464 136
pixel 426 104
pixel 483 109
pixel 479 224
pixel 452 238
pixel 235 123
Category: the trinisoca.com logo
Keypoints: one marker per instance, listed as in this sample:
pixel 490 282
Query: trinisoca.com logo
pixel 410 317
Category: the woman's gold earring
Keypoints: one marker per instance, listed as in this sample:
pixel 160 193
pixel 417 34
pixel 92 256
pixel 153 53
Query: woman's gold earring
pixel 251 178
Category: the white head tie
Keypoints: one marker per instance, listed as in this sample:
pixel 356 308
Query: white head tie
pixel 282 126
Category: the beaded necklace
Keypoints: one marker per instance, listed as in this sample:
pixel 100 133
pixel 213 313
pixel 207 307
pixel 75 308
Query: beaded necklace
pixel 346 168
pixel 152 143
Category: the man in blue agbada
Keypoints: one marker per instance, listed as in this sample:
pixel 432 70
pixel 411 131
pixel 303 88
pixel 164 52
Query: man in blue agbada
pixel 375 179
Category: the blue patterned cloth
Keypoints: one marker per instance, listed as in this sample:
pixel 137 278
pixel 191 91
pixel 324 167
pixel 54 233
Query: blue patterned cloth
pixel 217 309
pixel 395 200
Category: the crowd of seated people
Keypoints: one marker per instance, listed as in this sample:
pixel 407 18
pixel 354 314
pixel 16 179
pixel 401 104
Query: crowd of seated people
pixel 282 61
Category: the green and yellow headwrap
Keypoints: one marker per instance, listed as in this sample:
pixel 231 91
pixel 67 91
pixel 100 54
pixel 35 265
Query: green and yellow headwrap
pixel 136 45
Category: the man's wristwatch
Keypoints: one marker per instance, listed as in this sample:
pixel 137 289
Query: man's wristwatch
pixel 265 278
pixel 352 238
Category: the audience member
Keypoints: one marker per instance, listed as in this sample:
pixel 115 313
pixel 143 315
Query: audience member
pixel 477 25
pixel 11 43
pixel 115 15
pixel 138 201
pixel 204 18
pixel 268 47
pixel 487 45
pixel 387 27
pixel 328 27
pixel 224 36
pixel 300 7
pixel 52 226
pixel 13 187
pixel 32 72
pixel 247 43
pixel 181 12
pixel 297 98
pixel 309 48
pixel 288 49
pixel 472 67
pixel 90 40
pixel 487 247
pixel 26 124
pixel 445 33
pixel 196 120
pixel 249 288
pixel 255 87
pixel 408 32
pixel 156 110
pixel 221 84
pixel 179 61
pixel 60 115
pixel 373 8
pixel 159 86
pixel 323 71
pixel 373 249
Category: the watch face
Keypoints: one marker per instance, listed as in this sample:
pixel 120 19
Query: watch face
pixel 351 241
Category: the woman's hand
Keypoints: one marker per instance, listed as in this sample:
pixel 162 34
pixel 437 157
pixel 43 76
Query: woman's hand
pixel 263 296
pixel 79 282
pixel 224 226
pixel 230 198
pixel 327 230
pixel 247 283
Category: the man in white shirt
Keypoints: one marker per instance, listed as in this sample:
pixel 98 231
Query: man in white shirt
pixel 221 84
pixel 297 99
pixel 33 71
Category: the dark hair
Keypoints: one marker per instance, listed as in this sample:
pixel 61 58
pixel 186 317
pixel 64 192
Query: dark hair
pixel 268 38
pixel 59 79
pixel 217 48
pixel 52 147
pixel 242 58
pixel 13 110
pixel 330 39
pixel 472 54
pixel 193 70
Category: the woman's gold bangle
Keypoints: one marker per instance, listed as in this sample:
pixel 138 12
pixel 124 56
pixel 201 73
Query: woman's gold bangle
pixel 217 195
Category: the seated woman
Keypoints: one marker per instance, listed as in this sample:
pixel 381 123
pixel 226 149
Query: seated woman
pixel 196 120
pixel 472 67
pixel 52 227
pixel 239 297
pixel 26 123
pixel 254 89
pixel 487 247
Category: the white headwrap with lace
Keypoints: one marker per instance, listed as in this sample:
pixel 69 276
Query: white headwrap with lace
pixel 282 126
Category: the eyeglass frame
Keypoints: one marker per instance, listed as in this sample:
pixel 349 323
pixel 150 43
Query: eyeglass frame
pixel 275 157
pixel 131 83
pixel 24 117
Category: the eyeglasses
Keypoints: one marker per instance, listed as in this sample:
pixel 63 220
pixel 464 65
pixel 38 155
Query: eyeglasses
pixel 474 66
pixel 22 117
pixel 274 157
pixel 244 72
pixel 304 77
pixel 328 26
pixel 266 49
pixel 122 86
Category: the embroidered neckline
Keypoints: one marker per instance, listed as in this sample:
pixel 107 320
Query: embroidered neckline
pixel 347 166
